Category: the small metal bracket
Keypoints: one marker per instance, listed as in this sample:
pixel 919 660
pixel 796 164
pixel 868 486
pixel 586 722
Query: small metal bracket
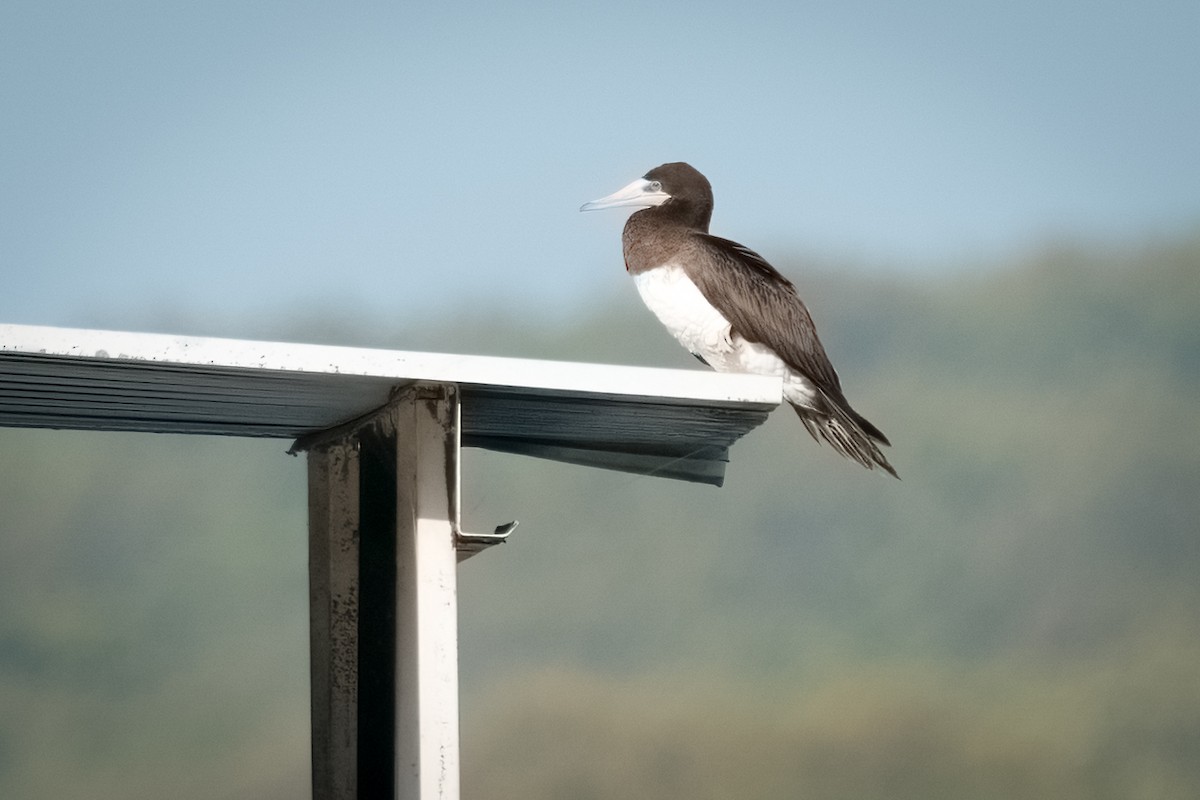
pixel 468 544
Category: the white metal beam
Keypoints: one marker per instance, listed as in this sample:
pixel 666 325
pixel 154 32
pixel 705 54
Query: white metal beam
pixel 669 423
pixel 395 365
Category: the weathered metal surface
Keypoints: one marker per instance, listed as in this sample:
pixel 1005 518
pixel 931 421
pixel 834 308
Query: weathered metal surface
pixel 383 575
pixel 427 513
pixel 674 423
pixel 333 563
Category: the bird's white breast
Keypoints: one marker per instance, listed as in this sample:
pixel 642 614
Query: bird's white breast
pixel 703 329
pixel 683 309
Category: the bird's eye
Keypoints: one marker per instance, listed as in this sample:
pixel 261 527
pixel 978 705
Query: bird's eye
pixel 655 186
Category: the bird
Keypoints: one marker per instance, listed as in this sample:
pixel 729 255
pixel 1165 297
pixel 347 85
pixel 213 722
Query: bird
pixel 730 308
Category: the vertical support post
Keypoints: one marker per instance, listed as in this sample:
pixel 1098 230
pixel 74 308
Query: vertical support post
pixel 333 549
pixel 383 516
pixel 427 506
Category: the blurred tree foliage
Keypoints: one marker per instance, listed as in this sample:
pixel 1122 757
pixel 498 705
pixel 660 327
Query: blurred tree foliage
pixel 1016 618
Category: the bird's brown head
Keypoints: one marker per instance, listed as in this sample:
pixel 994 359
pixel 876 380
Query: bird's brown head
pixel 676 191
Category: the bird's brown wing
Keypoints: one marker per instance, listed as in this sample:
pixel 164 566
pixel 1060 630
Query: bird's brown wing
pixel 762 306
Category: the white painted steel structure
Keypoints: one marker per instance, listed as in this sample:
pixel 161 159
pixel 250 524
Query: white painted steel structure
pixel 383 430
pixel 671 423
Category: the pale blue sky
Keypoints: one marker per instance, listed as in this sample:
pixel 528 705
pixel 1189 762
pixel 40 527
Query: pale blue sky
pixel 225 159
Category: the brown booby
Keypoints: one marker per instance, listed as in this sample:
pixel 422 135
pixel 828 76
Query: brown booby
pixel 730 308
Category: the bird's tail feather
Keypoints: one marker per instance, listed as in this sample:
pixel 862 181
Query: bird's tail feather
pixel 846 435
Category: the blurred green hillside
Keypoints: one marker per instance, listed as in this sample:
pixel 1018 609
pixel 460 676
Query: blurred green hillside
pixel 1016 618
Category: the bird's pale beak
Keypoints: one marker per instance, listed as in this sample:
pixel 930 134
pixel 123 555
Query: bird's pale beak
pixel 641 193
